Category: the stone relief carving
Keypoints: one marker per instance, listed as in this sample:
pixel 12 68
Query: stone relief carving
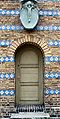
pixel 29 13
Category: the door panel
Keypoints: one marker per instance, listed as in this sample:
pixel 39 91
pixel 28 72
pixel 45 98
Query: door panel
pixel 28 102
pixel 29 57
pixel 29 93
pixel 29 76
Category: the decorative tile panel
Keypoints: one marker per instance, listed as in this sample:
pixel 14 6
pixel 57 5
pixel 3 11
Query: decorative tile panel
pixel 7 59
pixel 47 59
pixel 52 59
pixel 39 28
pixel 12 92
pixel 52 92
pixel 5 42
pixel 48 28
pixel 11 27
pixel 49 12
pixel 49 75
pixel 9 12
pixel 7 92
pixel 7 75
pixel 41 12
pixel 54 43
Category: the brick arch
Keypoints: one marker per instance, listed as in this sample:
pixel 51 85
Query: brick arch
pixel 30 39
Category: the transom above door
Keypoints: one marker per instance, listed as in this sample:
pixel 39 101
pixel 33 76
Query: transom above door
pixel 29 75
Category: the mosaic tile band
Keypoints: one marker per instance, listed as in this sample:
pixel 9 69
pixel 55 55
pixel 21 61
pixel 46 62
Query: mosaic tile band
pixel 49 75
pixel 38 28
pixel 12 92
pixel 50 43
pixel 7 92
pixel 54 43
pixel 47 59
pixel 52 92
pixel 41 12
pixel 52 59
pixel 11 27
pixel 5 42
pixel 48 28
pixel 7 75
pixel 7 59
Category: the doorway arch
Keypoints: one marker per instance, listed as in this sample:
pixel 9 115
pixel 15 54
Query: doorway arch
pixel 29 74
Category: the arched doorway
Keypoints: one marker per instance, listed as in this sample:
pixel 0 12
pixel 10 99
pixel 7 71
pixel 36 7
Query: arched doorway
pixel 29 75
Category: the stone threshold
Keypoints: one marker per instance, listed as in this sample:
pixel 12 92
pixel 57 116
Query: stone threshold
pixel 29 115
pixel 35 118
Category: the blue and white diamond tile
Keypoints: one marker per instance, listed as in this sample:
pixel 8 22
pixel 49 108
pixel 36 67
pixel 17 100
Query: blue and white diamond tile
pixel 52 91
pixel 12 92
pixel 11 27
pixel 53 28
pixel 1 92
pixel 5 42
pixel 46 92
pixel 48 28
pixel 7 92
pixel 7 59
pixel 19 28
pixel 52 59
pixel 54 43
pixel 39 28
pixel 49 75
pixel 49 12
pixel 7 75
pixel 56 91
pixel 9 12
pixel 50 43
pixel 45 12
pixel 55 12
pixel 41 12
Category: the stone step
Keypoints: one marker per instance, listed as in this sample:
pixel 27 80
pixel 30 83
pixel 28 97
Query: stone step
pixel 34 118
pixel 29 115
pixel 54 112
pixel 38 118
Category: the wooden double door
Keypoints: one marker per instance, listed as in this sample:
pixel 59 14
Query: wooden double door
pixel 29 75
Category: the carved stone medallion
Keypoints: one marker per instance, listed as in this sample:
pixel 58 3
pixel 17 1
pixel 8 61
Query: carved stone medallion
pixel 29 15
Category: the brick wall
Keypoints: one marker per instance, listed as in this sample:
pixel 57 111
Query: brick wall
pixel 47 38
